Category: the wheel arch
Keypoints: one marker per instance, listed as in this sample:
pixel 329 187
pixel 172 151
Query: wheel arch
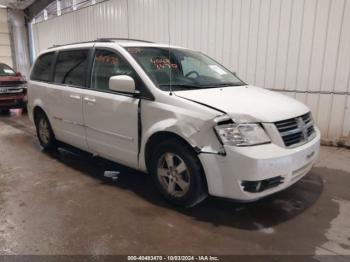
pixel 36 111
pixel 159 136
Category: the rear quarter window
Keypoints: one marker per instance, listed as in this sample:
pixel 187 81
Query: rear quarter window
pixel 42 70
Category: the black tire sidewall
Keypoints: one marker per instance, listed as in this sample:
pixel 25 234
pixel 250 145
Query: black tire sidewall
pixel 197 190
pixel 52 141
pixel 5 111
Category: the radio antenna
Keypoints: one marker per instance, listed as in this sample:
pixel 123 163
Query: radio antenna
pixel 170 67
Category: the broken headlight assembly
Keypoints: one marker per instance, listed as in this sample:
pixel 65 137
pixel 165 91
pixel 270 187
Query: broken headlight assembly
pixel 242 134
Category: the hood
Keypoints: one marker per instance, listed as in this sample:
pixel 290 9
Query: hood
pixel 247 103
pixel 11 80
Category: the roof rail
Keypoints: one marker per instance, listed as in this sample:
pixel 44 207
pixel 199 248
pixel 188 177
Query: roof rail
pixel 102 40
pixel 108 39
pixel 83 42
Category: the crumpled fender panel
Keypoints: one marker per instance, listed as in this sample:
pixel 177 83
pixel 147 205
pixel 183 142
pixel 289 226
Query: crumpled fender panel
pixel 192 122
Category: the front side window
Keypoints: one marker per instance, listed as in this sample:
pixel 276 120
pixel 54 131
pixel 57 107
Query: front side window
pixel 42 70
pixel 71 67
pixel 105 65
pixel 182 69
pixel 5 70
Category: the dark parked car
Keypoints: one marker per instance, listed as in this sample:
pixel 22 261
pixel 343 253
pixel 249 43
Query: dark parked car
pixel 13 89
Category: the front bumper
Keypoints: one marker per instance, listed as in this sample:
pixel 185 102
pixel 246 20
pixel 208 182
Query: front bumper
pixel 225 174
pixel 15 100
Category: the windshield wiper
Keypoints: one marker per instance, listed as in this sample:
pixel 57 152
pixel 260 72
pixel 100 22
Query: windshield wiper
pixel 182 85
pixel 202 86
pixel 228 84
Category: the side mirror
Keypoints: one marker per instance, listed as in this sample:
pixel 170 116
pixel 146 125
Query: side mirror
pixel 234 73
pixel 122 83
pixel 18 74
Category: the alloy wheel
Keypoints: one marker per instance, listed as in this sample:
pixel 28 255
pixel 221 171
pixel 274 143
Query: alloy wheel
pixel 173 174
pixel 44 131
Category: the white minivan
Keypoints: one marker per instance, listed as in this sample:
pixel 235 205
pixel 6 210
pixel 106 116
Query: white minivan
pixel 174 113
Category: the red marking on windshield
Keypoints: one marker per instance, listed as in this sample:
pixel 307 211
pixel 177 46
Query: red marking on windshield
pixel 161 63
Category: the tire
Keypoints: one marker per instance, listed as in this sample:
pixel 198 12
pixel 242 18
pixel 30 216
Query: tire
pixel 5 111
pixel 44 132
pixel 24 109
pixel 177 173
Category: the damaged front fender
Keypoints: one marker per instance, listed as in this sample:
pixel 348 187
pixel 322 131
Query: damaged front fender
pixel 194 126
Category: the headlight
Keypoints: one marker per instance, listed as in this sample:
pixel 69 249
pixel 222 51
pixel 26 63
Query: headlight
pixel 242 134
pixel 24 88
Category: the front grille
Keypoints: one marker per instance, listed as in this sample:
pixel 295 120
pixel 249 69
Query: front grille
pixel 10 90
pixel 296 131
pixel 11 83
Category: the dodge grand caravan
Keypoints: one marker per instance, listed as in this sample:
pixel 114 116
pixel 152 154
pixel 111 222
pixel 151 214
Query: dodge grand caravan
pixel 174 113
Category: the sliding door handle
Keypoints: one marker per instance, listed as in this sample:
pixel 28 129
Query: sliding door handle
pixel 74 96
pixel 90 99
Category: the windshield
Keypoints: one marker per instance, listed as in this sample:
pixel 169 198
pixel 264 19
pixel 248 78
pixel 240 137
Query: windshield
pixel 5 70
pixel 182 69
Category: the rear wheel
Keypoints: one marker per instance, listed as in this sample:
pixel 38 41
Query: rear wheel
pixel 177 173
pixel 44 132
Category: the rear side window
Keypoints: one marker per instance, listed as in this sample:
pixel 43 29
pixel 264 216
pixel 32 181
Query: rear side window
pixel 71 67
pixel 43 68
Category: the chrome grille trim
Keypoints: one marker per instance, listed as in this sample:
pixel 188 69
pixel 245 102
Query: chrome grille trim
pixel 10 90
pixel 296 131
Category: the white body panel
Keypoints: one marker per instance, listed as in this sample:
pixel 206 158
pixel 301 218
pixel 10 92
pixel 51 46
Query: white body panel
pixel 64 108
pixel 111 126
pixel 106 124
pixel 67 114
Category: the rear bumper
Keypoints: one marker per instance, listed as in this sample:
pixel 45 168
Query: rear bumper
pixel 9 101
pixel 232 176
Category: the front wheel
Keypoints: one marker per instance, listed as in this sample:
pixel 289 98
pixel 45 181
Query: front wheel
pixel 44 132
pixel 178 174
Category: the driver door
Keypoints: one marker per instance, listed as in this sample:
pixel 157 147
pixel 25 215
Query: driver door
pixel 111 118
